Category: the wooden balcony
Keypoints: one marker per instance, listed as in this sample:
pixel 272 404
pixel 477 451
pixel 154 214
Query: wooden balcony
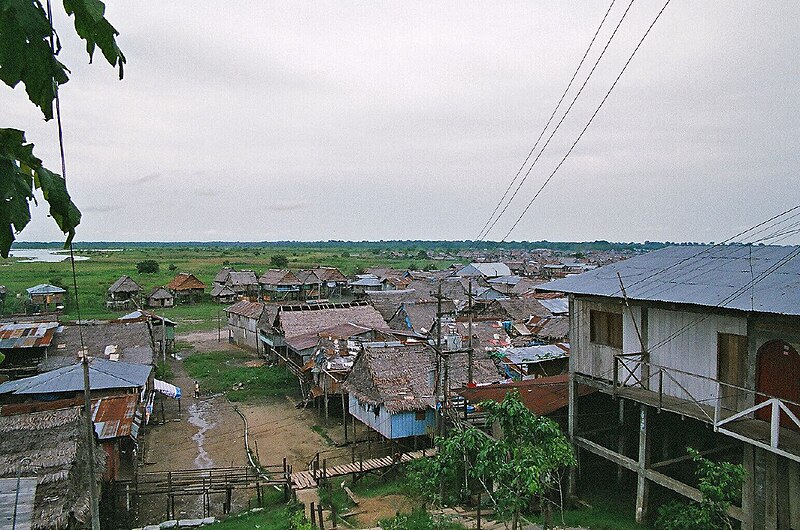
pixel 745 414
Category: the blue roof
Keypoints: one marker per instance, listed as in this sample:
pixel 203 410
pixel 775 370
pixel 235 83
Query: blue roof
pixel 103 375
pixel 763 279
pixel 45 288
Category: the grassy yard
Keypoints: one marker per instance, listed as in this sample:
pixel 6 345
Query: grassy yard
pixel 103 268
pixel 226 371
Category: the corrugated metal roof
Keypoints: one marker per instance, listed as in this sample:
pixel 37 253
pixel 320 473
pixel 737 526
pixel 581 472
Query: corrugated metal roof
pixel 102 375
pixel 115 416
pixel 27 335
pixel 731 277
pixel 22 501
pixel 45 288
pixel 246 309
pixel 557 306
pixel 542 396
pixel 536 354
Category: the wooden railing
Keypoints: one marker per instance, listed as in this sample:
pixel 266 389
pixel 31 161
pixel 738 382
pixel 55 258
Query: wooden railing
pixel 727 403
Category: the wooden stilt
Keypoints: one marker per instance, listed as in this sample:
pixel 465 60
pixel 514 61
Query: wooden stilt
pixel 642 484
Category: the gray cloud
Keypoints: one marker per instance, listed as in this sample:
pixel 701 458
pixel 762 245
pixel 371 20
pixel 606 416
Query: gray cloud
pixel 417 115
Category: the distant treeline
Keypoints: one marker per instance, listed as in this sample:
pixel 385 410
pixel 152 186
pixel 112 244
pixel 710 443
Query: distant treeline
pixel 399 245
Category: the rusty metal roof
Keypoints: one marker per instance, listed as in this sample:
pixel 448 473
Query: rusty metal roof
pixel 116 416
pixel 246 309
pixel 27 335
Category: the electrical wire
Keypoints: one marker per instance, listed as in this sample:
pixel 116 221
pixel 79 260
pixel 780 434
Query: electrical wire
pixel 597 110
pixel 549 120
pixel 569 108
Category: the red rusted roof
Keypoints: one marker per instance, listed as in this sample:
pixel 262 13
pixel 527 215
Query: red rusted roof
pixel 541 396
pixel 115 416
pixel 185 281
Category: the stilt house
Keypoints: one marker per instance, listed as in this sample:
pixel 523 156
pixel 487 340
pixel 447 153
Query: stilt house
pixel 699 346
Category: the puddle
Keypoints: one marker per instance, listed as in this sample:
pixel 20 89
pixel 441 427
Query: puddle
pixel 198 414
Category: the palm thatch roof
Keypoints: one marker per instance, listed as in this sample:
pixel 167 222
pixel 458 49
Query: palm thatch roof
pixel 279 277
pixel 185 281
pixel 311 319
pixel 125 284
pixel 52 446
pixel 396 376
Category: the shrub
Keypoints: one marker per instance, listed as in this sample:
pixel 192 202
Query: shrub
pixel 279 262
pixel 148 266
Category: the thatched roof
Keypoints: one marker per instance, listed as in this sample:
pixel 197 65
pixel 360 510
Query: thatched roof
pixel 125 284
pixel 160 293
pixel 279 277
pixel 329 274
pixel 241 278
pixel 185 281
pixel 398 377
pixel 311 319
pixel 52 446
pixel 222 275
pixel 222 290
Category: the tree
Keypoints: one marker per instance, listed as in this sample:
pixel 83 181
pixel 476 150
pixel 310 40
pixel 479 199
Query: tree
pixel 281 262
pixel 148 266
pixel 29 47
pixel 525 463
pixel 720 485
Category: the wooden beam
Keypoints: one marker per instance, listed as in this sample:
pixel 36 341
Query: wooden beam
pixel 654 476
pixel 685 457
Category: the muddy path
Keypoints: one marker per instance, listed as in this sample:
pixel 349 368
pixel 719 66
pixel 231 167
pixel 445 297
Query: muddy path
pixel 208 432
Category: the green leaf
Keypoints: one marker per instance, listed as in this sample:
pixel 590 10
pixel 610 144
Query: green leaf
pixel 20 173
pixel 25 54
pixel 92 27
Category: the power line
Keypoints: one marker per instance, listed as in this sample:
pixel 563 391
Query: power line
pixel 738 292
pixel 558 125
pixel 646 33
pixel 764 225
pixel 549 120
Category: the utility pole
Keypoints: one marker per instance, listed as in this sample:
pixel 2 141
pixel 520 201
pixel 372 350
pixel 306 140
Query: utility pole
pixel 437 386
pixel 87 408
pixel 469 340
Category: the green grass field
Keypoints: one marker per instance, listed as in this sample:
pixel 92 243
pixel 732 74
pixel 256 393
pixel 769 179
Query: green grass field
pixel 95 276
pixel 225 371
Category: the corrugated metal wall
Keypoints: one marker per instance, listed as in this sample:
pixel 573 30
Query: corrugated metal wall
pixel 591 359
pixel 693 350
pixel 406 424
pixel 381 422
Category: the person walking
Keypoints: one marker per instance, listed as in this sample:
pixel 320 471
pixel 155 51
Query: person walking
pixel 197 389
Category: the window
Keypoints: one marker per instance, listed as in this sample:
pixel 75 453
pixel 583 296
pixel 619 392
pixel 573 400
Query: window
pixel 420 415
pixel 605 328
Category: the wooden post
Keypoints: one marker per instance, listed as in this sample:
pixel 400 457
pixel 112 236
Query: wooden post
pixel 319 513
pixel 642 484
pixel 572 426
pixel 479 511
pixel 621 437
pixel 344 416
pixel 313 515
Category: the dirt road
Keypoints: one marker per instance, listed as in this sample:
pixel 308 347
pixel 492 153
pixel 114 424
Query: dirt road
pixel 207 432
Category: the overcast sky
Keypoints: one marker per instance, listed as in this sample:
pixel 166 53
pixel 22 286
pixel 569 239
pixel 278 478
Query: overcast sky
pixel 407 120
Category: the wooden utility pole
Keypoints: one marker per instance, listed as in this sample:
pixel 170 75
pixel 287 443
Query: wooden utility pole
pixel 87 408
pixel 438 370
pixel 469 340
